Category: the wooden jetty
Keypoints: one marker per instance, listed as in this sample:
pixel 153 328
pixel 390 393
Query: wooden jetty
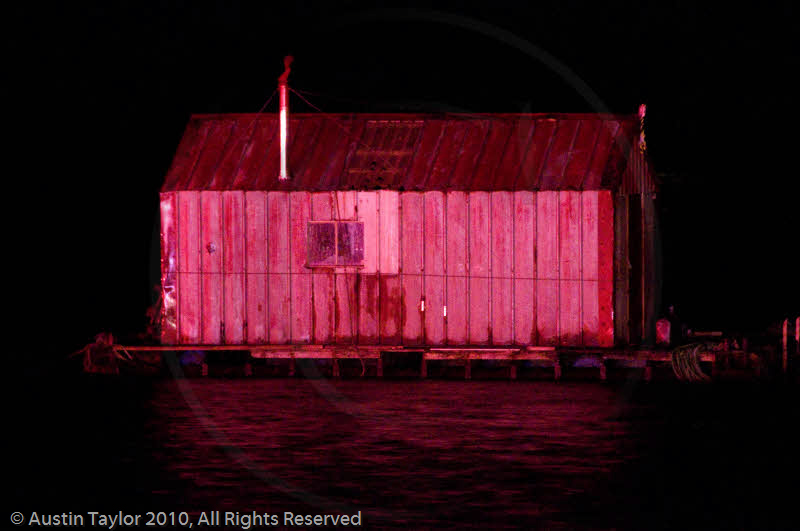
pixel 555 358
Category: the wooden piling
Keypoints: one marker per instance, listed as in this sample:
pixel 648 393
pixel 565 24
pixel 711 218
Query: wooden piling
pixel 335 363
pixel 557 371
pixel 512 371
pixel 423 369
pixel 785 345
pixel 467 369
pixel 380 367
pixel 603 375
pixel 204 369
pixel 648 373
pixel 248 369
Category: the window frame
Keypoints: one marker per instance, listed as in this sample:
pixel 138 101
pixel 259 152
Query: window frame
pixel 336 264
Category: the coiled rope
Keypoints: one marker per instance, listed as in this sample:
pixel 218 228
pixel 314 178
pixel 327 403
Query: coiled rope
pixel 686 363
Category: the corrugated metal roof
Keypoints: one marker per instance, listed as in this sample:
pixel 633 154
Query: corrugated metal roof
pixel 412 152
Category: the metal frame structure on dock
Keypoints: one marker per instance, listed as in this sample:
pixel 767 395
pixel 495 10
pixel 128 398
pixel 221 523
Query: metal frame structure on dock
pixel 556 356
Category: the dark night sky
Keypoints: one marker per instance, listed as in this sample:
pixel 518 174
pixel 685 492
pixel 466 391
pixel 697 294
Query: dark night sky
pixel 106 89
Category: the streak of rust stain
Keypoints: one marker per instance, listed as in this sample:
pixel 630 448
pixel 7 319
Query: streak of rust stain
pixel 390 309
pixel 368 305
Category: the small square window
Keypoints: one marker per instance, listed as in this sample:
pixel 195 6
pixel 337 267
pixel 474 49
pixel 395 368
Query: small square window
pixel 335 243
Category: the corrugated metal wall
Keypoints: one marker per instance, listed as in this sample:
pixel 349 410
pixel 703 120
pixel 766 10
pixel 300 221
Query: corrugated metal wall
pixel 493 268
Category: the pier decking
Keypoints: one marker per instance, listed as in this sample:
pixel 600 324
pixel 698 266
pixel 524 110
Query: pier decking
pixel 553 357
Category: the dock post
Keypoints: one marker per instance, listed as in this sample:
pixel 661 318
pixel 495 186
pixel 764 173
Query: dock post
pixel 248 369
pixel 292 366
pixel 603 375
pixel 335 368
pixel 557 370
pixel 423 368
pixel 204 369
pixel 785 347
pixel 467 369
pixel 512 372
pixel 363 367
pixel 648 373
pixel 380 366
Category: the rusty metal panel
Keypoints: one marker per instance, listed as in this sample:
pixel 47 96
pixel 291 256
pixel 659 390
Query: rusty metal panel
pixel 169 268
pixel 435 257
pixel 569 266
pixel 233 260
pixel 390 308
pixel 256 266
pixel 202 176
pixel 590 313
pixel 502 266
pixel 259 143
pixel 300 277
pixel 457 310
pixel 558 153
pixel 569 316
pixel 368 310
pixel 368 213
pixel 346 312
pixel 226 171
pixel 346 204
pixel 485 176
pixel 256 296
pixel 433 134
pixel 322 207
pixel 189 308
pixel 411 230
pixel 299 216
pixel 256 232
pixel 234 308
pixel 434 242
pixel 524 268
pixel 456 241
pixel 547 267
pixel 456 229
pixel 278 232
pixel 516 148
pixel 278 320
pixel 478 310
pixel 569 237
pixel 212 308
pixel 413 314
pixel 233 252
pixel 323 306
pixel 606 322
pixel 434 328
pixel 211 252
pixel 602 152
pixel 589 236
pixel 480 301
pixel 447 155
pixel 605 255
pixel 530 170
pixel 471 150
pixel 581 153
pixel 388 226
pixel 301 313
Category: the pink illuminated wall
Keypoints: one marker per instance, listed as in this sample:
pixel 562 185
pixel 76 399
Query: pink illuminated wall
pixel 492 268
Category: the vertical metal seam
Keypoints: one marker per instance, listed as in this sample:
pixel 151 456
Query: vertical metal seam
pixel 513 266
pixel 444 251
pixel 535 324
pixel 200 260
pixel 468 232
pixel 289 261
pixel 178 268
pixel 245 324
pixel 267 277
pixel 378 263
pixel 558 267
pixel 489 250
pixel 580 269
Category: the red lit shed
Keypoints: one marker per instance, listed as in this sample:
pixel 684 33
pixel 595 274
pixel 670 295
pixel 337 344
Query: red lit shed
pixel 502 229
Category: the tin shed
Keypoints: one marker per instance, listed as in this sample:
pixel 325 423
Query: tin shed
pixel 399 229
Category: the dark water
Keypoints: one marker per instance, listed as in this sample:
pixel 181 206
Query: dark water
pixel 432 454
